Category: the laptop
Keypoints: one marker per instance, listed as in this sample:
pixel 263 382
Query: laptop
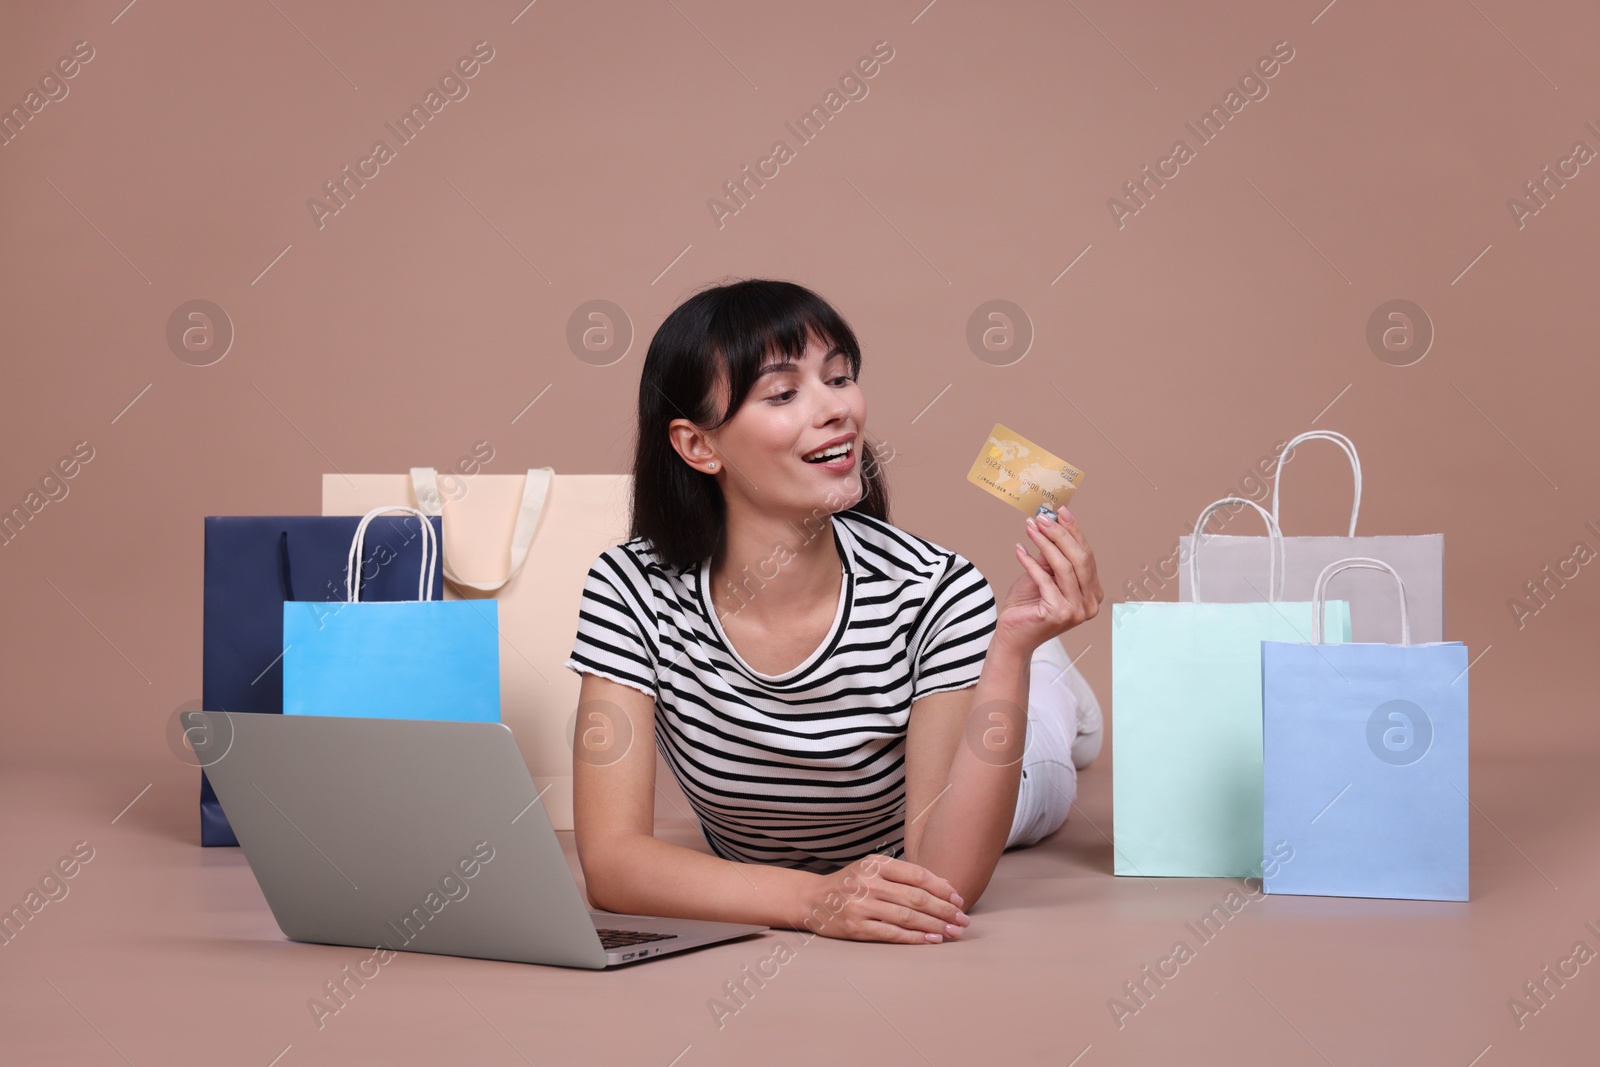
pixel 414 836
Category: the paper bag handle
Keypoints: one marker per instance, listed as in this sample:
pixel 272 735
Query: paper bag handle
pixel 1350 453
pixel 430 554
pixel 1274 548
pixel 1319 594
pixel 425 483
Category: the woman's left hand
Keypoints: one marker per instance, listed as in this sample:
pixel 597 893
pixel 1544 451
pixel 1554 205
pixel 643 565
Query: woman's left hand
pixel 1055 592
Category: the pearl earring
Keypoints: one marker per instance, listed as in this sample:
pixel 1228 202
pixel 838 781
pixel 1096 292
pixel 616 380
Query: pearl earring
pixel 712 464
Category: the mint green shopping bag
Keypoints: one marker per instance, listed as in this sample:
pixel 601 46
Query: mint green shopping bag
pixel 1186 781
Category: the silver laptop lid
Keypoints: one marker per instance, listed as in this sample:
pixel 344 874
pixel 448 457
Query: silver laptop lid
pixel 423 836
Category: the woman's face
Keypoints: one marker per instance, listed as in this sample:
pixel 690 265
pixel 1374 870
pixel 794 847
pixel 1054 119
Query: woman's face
pixel 794 409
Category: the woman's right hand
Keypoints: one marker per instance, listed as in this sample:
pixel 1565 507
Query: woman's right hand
pixel 878 898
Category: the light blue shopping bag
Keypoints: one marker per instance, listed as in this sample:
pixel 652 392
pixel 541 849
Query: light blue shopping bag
pixel 409 659
pixel 1366 763
pixel 1186 703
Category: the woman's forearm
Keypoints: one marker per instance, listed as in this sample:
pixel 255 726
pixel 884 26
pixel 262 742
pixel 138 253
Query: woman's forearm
pixel 967 826
pixel 640 875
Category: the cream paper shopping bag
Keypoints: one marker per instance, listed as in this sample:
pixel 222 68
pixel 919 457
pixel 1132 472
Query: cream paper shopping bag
pixel 1234 563
pixel 527 541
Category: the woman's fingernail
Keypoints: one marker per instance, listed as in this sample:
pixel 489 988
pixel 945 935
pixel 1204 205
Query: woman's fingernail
pixel 955 898
pixel 1031 524
pixel 1047 516
pixel 951 930
pixel 963 918
pixel 933 939
pixel 1064 515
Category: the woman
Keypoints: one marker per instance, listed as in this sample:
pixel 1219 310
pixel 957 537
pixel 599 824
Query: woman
pixel 843 705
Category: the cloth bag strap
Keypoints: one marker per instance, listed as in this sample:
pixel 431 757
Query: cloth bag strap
pixel 1350 453
pixel 1274 548
pixel 535 491
pixel 430 554
pixel 1319 594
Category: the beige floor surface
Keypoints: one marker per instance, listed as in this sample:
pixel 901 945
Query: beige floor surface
pixel 165 953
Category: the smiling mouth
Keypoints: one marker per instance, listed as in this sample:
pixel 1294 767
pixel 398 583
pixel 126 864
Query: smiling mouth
pixel 830 455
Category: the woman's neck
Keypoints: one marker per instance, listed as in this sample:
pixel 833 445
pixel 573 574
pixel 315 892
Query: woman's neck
pixel 769 568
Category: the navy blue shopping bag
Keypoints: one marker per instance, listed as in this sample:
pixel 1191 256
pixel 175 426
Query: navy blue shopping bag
pixel 253 565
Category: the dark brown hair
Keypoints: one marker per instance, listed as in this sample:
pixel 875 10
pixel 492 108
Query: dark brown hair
pixel 728 331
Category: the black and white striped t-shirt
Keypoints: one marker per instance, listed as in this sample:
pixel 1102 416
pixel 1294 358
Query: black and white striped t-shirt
pixel 805 769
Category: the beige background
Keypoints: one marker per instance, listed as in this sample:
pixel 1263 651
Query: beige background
pixel 431 313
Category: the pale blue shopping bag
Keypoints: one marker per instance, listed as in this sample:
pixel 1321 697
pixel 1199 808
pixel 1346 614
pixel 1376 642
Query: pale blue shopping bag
pixel 1186 703
pixel 408 659
pixel 1366 763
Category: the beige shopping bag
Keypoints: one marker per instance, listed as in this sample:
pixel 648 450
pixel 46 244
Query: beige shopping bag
pixel 1234 564
pixel 527 541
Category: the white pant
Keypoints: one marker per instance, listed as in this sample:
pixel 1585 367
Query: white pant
pixel 1049 776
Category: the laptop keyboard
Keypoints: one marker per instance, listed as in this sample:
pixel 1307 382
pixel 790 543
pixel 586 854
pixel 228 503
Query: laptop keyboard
pixel 627 938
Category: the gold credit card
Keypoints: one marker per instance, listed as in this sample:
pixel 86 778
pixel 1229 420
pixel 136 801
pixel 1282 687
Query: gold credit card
pixel 1022 474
